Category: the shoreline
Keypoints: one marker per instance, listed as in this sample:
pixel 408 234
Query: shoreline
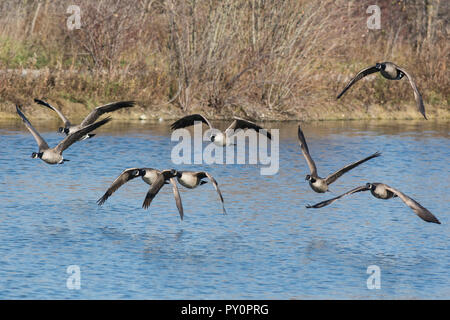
pixel 331 112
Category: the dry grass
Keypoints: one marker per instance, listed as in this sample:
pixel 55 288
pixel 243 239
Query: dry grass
pixel 258 58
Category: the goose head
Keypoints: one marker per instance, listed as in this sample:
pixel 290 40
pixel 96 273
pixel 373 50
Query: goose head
pixel 310 178
pixel 380 66
pixel 63 130
pixel 174 172
pixel 36 155
pixel 370 186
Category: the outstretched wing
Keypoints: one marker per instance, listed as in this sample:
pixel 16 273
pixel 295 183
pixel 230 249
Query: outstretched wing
pixel 63 118
pixel 97 112
pixel 189 121
pixel 327 202
pixel 124 177
pixel 153 191
pixel 177 196
pixel 40 141
pixel 305 151
pixel 239 123
pixel 216 186
pixel 73 137
pixel 422 212
pixel 333 177
pixel 358 77
pixel 417 95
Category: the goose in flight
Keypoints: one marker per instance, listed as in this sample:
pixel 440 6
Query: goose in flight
pixel 390 71
pixel 91 118
pixel 155 178
pixel 54 155
pixel 192 179
pixel 218 137
pixel 317 183
pixel 383 191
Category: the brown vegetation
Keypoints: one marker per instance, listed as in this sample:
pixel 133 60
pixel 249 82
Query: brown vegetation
pixel 257 58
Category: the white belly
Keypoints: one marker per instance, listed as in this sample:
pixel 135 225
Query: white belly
pixel 150 176
pixel 52 157
pixel 319 186
pixel 220 140
pixel 188 180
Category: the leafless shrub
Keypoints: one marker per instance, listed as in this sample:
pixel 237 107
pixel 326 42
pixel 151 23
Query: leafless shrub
pixel 260 55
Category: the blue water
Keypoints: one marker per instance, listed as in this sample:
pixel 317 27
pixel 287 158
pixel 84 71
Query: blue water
pixel 269 246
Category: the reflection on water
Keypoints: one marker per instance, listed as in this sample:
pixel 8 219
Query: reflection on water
pixel 269 246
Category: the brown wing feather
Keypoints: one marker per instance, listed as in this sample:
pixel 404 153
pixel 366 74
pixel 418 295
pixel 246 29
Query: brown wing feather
pixel 40 141
pixel 327 202
pixel 216 186
pixel 189 121
pixel 124 177
pixel 305 151
pixel 76 136
pixel 239 123
pixel 97 112
pixel 334 176
pixel 358 77
pixel 421 211
pixel 417 95
pixel 177 196
pixel 46 104
pixel 153 191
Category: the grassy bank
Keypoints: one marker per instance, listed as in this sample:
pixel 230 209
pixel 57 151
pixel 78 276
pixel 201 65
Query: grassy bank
pixel 267 60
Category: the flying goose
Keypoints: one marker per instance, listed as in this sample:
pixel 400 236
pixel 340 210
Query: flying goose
pixel 219 138
pixel 155 178
pixel 390 71
pixel 383 191
pixel 191 179
pixel 54 155
pixel 317 183
pixel 91 118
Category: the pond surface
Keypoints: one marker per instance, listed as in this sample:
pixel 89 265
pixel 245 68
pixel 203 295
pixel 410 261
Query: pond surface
pixel 269 246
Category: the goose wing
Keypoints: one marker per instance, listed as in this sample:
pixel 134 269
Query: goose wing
pixel 177 196
pixel 358 77
pixel 40 141
pixel 216 186
pixel 417 95
pixel 72 138
pixel 124 177
pixel 97 112
pixel 327 202
pixel 334 176
pixel 305 151
pixel 422 212
pixel 63 118
pixel 153 191
pixel 239 123
pixel 189 121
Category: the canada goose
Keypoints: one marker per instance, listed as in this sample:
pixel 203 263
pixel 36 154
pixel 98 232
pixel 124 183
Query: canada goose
pixel 383 191
pixel 219 138
pixel 390 71
pixel 317 183
pixel 155 178
pixel 191 179
pixel 54 155
pixel 91 118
